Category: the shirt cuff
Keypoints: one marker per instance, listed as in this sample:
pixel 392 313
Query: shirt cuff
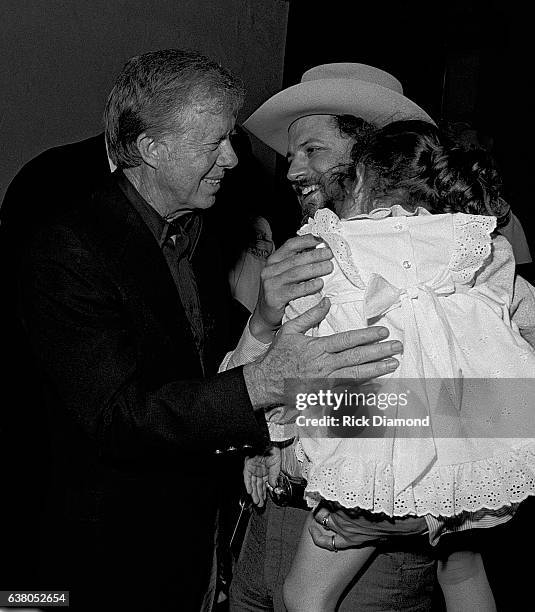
pixel 480 519
pixel 248 349
pixel 435 529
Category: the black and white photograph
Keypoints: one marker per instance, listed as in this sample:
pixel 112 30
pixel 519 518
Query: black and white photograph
pixel 267 311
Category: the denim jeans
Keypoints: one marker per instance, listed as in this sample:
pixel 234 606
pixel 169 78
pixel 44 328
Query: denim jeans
pixel 399 580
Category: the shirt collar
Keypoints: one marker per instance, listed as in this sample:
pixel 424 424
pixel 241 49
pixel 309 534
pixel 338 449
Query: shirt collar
pixel 190 222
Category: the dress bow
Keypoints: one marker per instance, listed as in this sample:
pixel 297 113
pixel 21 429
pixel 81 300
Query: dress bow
pixel 381 296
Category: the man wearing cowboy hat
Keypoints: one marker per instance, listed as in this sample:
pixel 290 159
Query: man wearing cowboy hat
pixel 380 100
pixel 315 123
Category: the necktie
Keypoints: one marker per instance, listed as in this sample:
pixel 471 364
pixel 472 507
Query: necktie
pixel 181 238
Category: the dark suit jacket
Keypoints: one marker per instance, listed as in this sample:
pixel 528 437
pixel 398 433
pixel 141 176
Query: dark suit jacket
pixel 132 496
pixel 44 188
pixel 48 184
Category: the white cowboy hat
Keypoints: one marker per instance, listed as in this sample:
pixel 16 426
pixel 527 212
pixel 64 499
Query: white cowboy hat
pixel 333 89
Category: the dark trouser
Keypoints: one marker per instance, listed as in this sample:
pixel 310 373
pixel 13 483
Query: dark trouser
pixel 396 581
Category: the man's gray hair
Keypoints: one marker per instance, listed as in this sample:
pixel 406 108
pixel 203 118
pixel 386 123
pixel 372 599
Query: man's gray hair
pixel 156 92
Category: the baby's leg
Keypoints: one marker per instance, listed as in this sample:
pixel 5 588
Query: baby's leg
pixel 464 583
pixel 318 577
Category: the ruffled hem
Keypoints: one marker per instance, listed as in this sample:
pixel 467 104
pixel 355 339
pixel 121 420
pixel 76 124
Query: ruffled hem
pixel 446 491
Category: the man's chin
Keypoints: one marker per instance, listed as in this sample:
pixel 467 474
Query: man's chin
pixel 310 206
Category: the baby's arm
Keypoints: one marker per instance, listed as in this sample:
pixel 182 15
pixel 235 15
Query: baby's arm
pixel 499 274
pixel 523 309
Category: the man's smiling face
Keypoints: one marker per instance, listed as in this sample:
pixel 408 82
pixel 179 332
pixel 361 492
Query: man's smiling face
pixel 195 160
pixel 315 147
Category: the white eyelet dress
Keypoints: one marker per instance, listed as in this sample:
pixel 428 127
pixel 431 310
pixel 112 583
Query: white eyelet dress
pixel 416 274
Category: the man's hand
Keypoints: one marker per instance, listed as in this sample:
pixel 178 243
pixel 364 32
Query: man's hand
pixel 261 471
pixel 293 271
pixel 356 354
pixel 355 530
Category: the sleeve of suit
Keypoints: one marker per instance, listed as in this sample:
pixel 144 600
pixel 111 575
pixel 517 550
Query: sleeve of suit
pixel 72 314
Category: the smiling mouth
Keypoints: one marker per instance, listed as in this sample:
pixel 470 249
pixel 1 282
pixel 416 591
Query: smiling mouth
pixel 214 182
pixel 305 192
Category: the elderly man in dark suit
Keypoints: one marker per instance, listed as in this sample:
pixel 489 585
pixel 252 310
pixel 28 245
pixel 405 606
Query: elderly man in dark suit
pixel 125 307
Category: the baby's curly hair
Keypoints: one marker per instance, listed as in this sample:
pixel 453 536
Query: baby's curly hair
pixel 412 163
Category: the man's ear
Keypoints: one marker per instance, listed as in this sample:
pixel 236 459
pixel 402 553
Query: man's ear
pixel 151 150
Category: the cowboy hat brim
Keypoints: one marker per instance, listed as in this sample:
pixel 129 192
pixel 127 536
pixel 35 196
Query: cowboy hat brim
pixel 374 103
